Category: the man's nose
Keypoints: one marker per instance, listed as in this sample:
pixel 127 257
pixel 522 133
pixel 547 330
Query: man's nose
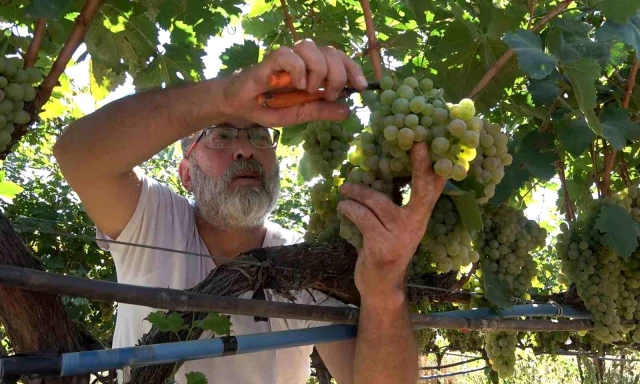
pixel 243 148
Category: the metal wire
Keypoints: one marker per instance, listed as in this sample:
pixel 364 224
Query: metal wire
pixel 27 228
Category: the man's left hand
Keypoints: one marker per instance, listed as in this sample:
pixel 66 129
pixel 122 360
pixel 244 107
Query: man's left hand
pixel 391 234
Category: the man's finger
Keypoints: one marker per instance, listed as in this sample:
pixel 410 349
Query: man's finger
pixel 284 59
pixel 321 110
pixel 381 206
pixel 355 77
pixel 315 63
pixel 336 73
pixel 426 185
pixel 362 217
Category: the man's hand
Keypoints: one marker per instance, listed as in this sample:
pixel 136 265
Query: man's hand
pixel 390 233
pixel 309 66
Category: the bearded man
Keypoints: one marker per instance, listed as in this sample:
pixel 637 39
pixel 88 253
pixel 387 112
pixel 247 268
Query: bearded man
pixel 230 167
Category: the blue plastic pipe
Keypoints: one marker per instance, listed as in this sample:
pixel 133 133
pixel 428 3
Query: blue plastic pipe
pixel 520 311
pixel 78 363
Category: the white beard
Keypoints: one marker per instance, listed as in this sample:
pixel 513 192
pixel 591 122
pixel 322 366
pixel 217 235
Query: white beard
pixel 248 207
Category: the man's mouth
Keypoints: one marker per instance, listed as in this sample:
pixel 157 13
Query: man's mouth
pixel 247 176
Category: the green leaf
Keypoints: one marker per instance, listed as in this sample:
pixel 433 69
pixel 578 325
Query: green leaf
pixel 495 290
pixel 452 189
pixel 531 57
pixel 469 212
pixel 293 135
pixel 618 229
pixel 515 175
pixel 543 92
pixel 239 56
pixel 9 189
pixel 177 65
pixel 574 135
pixel 216 323
pixel 196 378
pixel 167 323
pixel 103 80
pixel 618 10
pixel 627 32
pixel 47 9
pixel 537 154
pixel 618 128
pixel 304 168
pixel 469 184
pixel 583 73
pixel 352 124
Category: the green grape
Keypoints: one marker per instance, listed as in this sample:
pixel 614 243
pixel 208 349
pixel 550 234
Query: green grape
pixel 471 139
pixel 373 162
pixel 5 138
pixel 507 159
pixel 443 167
pixel 10 68
pixel 355 176
pixel 455 112
pixel 3 81
pixel 458 172
pixel 468 109
pixel 457 127
pixel 398 120
pixel 387 97
pixel 3 64
pixel 18 105
pixel 369 97
pixel 440 115
pixel 440 146
pixel 377 117
pixel 385 165
pixel 426 85
pixel 3 121
pixel 411 82
pixel 428 110
pixel 500 140
pixel 397 152
pixel 386 82
pixel 420 133
pixel 411 121
pixel 34 75
pixel 397 165
pixel 437 104
pixel 417 104
pixel 20 76
pixel 400 105
pixel 14 91
pixel 426 121
pixel 405 92
pixel 390 132
pixel 475 124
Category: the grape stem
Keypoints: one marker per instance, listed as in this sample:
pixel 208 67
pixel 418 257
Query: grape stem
pixel 31 56
pixel 373 45
pixel 495 68
pixel 289 21
pixel 611 156
pixel 568 206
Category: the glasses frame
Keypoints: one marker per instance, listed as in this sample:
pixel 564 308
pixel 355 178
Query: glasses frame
pixel 276 137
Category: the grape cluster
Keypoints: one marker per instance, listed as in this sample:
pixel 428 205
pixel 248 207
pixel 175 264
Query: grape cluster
pixel 501 349
pixel 463 341
pixel 550 342
pixel 474 285
pixel 491 158
pixel 446 243
pixel 413 111
pixel 323 223
pixel 327 145
pixel 505 247
pixel 15 88
pixel 425 339
pixel 596 272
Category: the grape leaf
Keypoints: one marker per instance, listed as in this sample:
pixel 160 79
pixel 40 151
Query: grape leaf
pixel 618 128
pixel 495 290
pixel 628 32
pixel 515 175
pixel 583 73
pixel 47 9
pixel 103 80
pixel 618 229
pixel 618 10
pixel 469 184
pixel 304 168
pixel 239 56
pixel 352 124
pixel 469 212
pixel 293 135
pixel 9 189
pixel 531 57
pixel 177 65
pixel 574 135
pixel 196 378
pixel 216 323
pixel 167 323
pixel 543 91
pixel 537 154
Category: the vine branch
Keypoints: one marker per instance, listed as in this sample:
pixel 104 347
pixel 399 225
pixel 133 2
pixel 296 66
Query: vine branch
pixel 568 206
pixel 75 38
pixel 289 21
pixel 374 46
pixel 31 56
pixel 495 67
pixel 610 156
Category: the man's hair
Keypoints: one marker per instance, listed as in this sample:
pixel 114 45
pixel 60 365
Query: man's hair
pixel 185 142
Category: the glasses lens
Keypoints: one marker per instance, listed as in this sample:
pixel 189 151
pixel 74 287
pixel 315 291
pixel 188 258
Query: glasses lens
pixel 263 137
pixel 221 137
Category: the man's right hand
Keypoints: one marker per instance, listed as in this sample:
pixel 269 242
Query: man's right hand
pixel 309 66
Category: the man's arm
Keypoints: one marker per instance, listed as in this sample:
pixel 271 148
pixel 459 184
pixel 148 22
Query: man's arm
pixel 385 350
pixel 97 153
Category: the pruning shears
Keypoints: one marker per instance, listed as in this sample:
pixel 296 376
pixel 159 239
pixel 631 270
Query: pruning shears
pixel 293 98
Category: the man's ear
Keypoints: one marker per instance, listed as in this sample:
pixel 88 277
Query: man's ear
pixel 184 171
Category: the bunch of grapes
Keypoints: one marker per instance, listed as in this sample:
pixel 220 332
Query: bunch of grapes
pixel 475 286
pixel 425 339
pixel 413 111
pixel 501 349
pixel 446 243
pixel 327 145
pixel 491 158
pixel 15 88
pixel 463 341
pixel 596 272
pixel 505 247
pixel 550 342
pixel 323 223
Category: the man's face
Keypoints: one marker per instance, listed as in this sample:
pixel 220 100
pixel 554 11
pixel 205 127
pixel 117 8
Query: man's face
pixel 235 187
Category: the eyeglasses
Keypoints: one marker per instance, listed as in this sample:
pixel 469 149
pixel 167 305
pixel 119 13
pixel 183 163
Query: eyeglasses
pixel 223 137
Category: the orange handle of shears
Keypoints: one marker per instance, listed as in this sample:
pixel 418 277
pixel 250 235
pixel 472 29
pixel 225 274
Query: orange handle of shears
pixel 286 99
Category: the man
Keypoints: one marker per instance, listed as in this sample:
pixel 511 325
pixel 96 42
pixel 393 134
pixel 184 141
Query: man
pixel 231 168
